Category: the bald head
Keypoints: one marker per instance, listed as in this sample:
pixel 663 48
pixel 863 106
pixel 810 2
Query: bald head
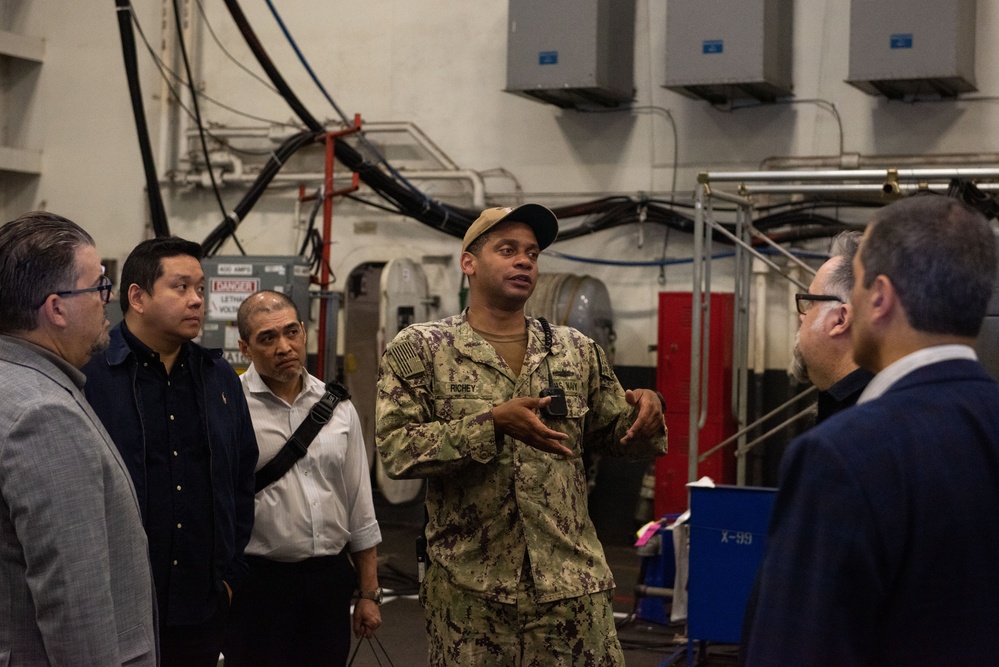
pixel 262 302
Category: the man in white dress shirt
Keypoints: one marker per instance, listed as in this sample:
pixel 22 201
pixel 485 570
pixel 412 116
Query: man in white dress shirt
pixel 295 606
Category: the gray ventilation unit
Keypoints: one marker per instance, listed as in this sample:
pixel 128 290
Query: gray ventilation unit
pixel 911 49
pixel 572 53
pixel 725 50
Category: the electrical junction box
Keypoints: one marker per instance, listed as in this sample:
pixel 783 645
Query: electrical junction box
pixel 229 280
pixel 725 50
pixel 911 49
pixel 575 54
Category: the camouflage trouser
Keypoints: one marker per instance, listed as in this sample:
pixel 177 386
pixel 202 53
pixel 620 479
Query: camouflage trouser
pixel 465 629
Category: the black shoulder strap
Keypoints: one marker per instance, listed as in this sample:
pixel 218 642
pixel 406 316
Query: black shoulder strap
pixel 298 443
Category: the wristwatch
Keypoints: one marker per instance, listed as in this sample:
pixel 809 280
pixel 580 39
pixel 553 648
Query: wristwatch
pixel 375 595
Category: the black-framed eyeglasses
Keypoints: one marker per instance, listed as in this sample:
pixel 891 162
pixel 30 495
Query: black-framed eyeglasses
pixel 103 286
pixel 804 301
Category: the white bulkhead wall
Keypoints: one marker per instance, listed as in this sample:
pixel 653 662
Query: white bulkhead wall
pixel 440 64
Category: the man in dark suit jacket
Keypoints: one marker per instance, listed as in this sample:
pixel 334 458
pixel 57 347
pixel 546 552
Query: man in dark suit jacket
pixel 884 544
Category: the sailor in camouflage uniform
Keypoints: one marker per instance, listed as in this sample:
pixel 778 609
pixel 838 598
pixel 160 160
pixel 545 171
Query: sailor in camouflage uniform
pixel 517 575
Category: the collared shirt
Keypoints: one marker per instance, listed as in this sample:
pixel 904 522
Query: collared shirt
pixel 178 486
pixel 898 369
pixel 842 394
pixel 323 503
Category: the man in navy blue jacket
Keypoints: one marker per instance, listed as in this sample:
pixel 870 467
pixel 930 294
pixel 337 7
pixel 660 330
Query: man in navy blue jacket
pixel 884 544
pixel 177 414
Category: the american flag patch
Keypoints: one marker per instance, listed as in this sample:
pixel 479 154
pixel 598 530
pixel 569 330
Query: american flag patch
pixel 405 358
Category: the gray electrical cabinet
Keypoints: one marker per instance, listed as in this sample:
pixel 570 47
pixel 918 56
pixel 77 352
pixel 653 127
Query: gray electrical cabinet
pixel 229 280
pixel 907 49
pixel 724 50
pixel 572 53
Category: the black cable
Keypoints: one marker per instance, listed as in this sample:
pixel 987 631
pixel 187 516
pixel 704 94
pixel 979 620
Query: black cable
pixel 967 192
pixel 806 233
pixel 797 224
pixel 322 89
pixel 794 217
pixel 289 147
pixel 614 212
pixel 234 59
pixel 451 220
pixel 268 66
pixel 362 200
pixel 312 221
pixel 314 239
pixel 157 212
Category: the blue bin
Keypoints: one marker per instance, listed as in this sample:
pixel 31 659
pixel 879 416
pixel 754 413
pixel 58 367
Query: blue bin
pixel 728 530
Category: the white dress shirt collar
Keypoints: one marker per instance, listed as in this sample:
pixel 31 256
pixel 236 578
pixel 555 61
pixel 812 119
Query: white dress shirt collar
pixel 897 370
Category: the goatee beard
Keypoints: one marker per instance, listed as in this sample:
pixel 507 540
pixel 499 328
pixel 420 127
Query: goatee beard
pixel 799 370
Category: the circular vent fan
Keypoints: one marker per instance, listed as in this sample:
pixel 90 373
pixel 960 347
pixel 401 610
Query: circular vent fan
pixel 581 302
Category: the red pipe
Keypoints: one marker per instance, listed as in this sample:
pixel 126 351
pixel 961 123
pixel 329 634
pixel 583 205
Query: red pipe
pixel 330 139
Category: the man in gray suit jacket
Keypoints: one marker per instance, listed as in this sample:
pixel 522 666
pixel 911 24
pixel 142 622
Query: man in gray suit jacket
pixel 75 582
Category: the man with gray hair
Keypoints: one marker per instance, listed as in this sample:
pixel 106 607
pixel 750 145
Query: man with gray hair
pixel 822 349
pixel 75 581
pixel 883 545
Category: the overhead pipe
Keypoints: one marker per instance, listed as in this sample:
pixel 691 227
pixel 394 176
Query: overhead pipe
pixel 425 142
pixel 473 177
pixel 849 161
pixel 857 188
pixel 294 179
pixel 837 175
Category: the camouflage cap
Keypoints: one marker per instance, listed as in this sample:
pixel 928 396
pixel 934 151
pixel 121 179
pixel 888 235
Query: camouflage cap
pixel 537 217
